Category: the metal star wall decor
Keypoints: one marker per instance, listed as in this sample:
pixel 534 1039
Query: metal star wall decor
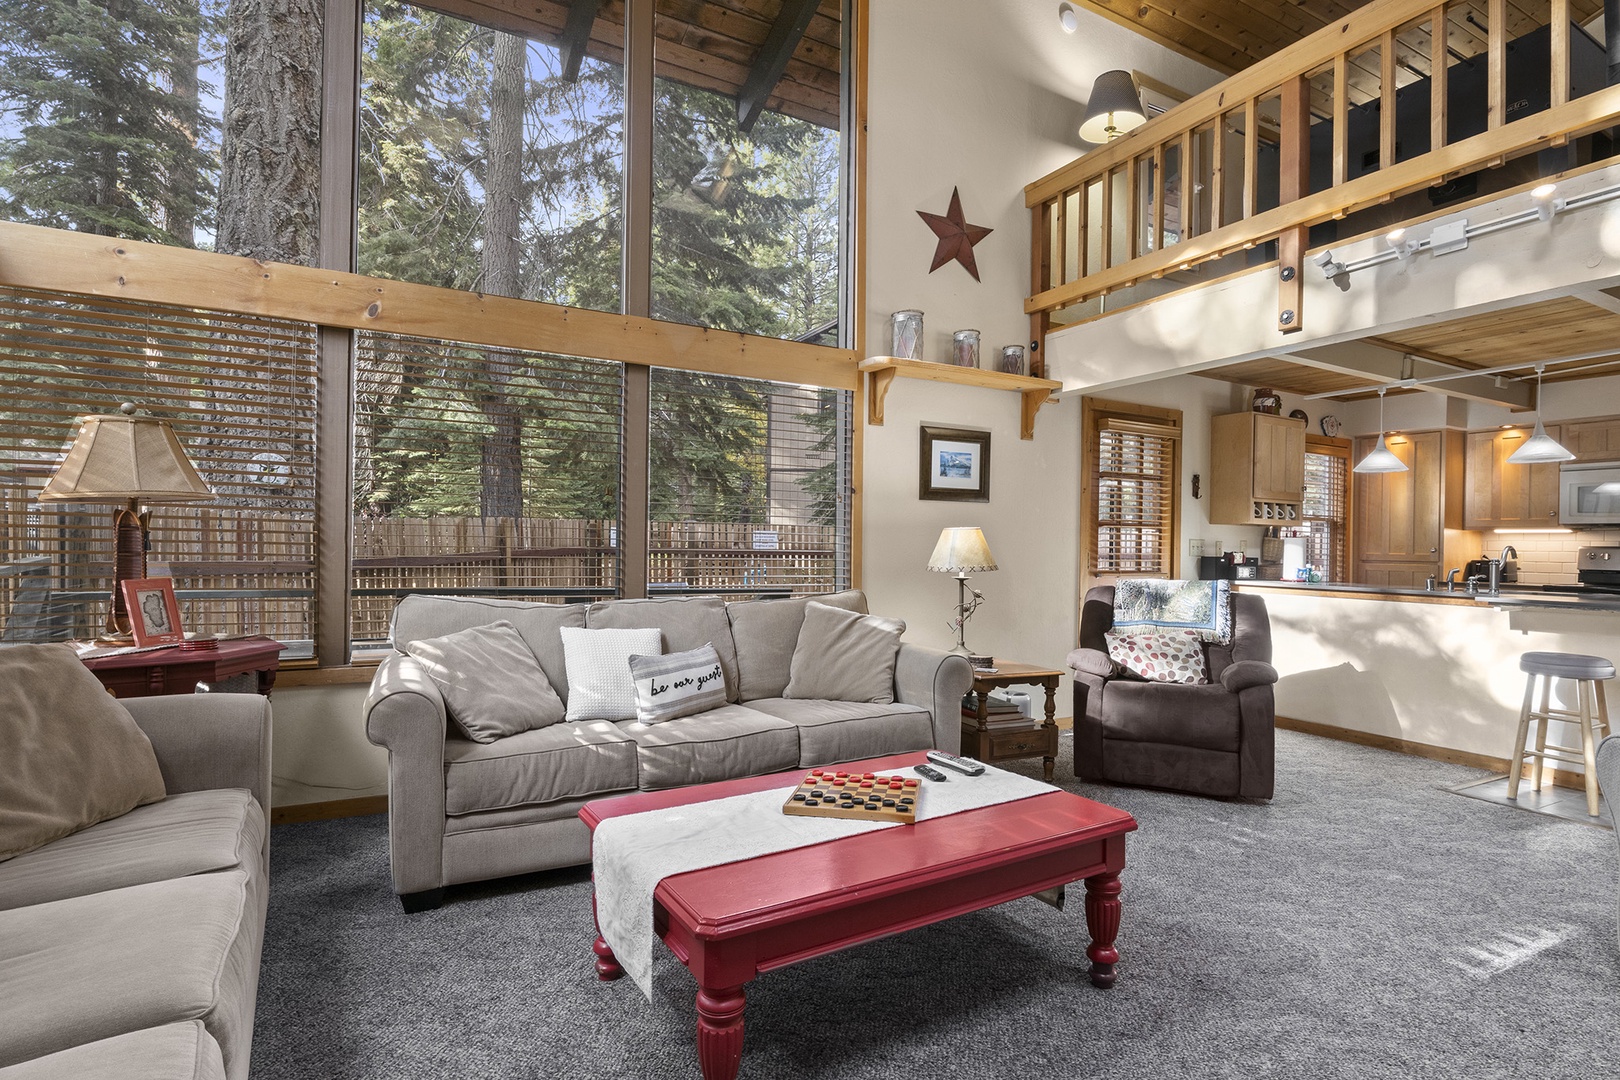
pixel 956 236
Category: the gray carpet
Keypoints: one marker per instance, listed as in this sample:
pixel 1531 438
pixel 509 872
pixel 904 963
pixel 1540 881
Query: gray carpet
pixel 1365 923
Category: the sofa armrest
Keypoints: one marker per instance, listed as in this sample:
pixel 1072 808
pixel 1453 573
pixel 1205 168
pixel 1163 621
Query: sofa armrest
pixel 1092 662
pixel 405 714
pixel 1247 673
pixel 935 680
pixel 206 741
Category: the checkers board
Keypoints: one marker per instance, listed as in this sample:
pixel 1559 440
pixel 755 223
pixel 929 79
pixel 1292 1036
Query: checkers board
pixel 862 796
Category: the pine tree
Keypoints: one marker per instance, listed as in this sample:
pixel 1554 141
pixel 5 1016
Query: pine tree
pixel 108 133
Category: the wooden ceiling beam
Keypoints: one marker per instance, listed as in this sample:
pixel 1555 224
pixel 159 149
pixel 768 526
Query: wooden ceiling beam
pixel 576 35
pixel 1363 360
pixel 791 22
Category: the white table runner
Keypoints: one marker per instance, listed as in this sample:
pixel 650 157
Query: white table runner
pixel 630 855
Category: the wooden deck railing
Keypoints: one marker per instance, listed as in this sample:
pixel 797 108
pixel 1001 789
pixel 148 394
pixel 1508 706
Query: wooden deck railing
pixel 1085 245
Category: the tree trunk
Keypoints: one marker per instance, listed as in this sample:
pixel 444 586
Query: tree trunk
pixel 269 184
pixel 502 492
pixel 180 213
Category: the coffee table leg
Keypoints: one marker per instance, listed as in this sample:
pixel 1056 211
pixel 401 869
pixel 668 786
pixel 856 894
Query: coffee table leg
pixel 607 965
pixel 1102 920
pixel 720 1032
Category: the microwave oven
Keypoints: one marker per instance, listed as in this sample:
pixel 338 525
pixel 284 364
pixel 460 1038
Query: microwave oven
pixel 1589 493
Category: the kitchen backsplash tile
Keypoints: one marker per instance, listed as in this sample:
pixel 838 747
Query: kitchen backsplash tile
pixel 1549 558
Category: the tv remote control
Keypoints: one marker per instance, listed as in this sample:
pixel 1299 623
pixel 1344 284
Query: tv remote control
pixel 931 773
pixel 964 765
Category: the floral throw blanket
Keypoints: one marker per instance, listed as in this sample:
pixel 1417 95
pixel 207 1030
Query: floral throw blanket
pixel 1204 607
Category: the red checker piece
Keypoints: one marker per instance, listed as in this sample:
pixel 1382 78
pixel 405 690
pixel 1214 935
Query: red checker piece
pixel 911 783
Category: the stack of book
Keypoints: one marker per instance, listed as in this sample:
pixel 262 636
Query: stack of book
pixel 1000 714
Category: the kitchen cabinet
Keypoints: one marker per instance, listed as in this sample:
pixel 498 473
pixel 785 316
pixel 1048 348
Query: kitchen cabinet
pixel 1256 469
pixel 1401 519
pixel 1498 494
pixel 1592 440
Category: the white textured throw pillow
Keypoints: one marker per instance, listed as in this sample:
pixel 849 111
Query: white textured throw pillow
pixel 679 684
pixel 491 682
pixel 844 656
pixel 598 665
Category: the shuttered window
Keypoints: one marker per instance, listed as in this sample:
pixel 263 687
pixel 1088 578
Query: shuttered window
pixel 240 393
pixel 1136 467
pixel 1326 510
pixel 749 487
pixel 482 472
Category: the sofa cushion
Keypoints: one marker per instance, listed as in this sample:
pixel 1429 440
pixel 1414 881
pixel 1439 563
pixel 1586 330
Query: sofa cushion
pixel 680 684
pixel 765 633
pixel 564 761
pixel 194 832
pixel 72 755
pixel 1180 715
pixel 92 967
pixel 720 744
pixel 844 656
pixel 599 667
pixel 172 1052
pixel 685 624
pixel 491 683
pixel 419 617
pixel 832 731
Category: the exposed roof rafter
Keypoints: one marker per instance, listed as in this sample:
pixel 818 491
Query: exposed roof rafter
pixel 576 35
pixel 791 23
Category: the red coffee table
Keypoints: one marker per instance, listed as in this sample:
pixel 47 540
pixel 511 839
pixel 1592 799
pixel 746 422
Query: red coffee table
pixel 729 923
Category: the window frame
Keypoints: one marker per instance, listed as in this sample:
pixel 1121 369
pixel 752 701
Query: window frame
pixel 1094 412
pixel 1339 448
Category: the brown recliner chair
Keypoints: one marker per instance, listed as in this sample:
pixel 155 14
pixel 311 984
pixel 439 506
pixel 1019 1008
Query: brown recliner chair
pixel 1216 738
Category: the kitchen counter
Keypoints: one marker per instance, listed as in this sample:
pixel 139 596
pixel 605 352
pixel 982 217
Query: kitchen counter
pixel 1511 596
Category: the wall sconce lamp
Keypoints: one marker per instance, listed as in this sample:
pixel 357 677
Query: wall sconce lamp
pixel 1114 108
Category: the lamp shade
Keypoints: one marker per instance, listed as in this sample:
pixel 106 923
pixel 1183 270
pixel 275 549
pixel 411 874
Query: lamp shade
pixel 1380 460
pixel 118 458
pixel 1539 448
pixel 961 550
pixel 1115 108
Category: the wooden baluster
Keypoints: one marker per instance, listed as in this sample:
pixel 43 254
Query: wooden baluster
pixel 1185 158
pixel 1294 181
pixel 1057 237
pixel 1158 199
pixel 1386 107
pixel 1133 211
pixel 1341 122
pixel 1217 174
pixel 1496 72
pixel 1251 155
pixel 1105 250
pixel 1560 54
pixel 1439 64
pixel 1040 272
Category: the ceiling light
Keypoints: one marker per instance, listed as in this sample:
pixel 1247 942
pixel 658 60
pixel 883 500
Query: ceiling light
pixel 1330 267
pixel 1068 18
pixel 1394 236
pixel 1539 448
pixel 1381 459
pixel 1543 191
pixel 1113 109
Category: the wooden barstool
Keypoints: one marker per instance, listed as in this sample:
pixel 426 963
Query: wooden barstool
pixel 1589 673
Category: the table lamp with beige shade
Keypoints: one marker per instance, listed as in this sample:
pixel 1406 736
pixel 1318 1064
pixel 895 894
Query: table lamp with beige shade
pixel 133 460
pixel 962 551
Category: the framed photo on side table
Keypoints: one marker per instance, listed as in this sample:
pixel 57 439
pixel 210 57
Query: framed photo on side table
pixel 955 465
pixel 154 615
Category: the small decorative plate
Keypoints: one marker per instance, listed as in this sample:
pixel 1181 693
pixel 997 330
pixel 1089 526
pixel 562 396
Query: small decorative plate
pixel 1298 414
pixel 1331 426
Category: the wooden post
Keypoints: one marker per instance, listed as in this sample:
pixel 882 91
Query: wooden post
pixel 1040 272
pixel 1294 182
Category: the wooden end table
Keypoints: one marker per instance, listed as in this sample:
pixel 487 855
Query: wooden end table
pixel 979 741
pixel 732 922
pixel 178 671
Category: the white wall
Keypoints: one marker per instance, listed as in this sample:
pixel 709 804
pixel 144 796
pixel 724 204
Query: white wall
pixel 319 751
pixel 984 98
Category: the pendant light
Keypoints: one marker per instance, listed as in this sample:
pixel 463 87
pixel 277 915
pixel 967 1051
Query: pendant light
pixel 1539 448
pixel 1382 459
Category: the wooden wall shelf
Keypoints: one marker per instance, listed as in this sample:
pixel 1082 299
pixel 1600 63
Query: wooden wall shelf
pixel 881 372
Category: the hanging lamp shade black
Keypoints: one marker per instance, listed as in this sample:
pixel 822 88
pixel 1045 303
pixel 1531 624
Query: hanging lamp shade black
pixel 1115 108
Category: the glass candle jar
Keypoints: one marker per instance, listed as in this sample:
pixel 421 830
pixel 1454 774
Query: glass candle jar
pixel 906 328
pixel 965 348
pixel 1012 360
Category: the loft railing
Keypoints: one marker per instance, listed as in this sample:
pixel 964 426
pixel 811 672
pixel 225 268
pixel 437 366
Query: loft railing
pixel 1230 169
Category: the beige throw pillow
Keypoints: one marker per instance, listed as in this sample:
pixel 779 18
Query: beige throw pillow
pixel 844 656
pixel 492 684
pixel 70 755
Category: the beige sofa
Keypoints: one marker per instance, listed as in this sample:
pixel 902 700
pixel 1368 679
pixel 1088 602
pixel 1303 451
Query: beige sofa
pixel 131 948
pixel 463 811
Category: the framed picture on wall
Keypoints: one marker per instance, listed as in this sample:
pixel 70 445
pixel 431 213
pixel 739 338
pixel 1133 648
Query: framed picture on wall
pixel 955 465
pixel 154 616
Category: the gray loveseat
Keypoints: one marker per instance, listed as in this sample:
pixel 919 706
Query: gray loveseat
pixel 463 811
pixel 131 948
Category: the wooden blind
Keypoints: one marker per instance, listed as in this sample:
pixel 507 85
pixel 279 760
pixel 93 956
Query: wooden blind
pixel 750 486
pixel 1136 497
pixel 1326 512
pixel 482 472
pixel 240 392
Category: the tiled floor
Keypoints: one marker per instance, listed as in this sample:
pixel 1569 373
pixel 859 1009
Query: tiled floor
pixel 1558 802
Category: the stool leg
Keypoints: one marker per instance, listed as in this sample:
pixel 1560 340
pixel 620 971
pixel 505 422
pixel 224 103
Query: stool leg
pixel 1517 766
pixel 1602 713
pixel 1588 747
pixel 1543 723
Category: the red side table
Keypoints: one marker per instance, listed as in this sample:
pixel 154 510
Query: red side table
pixel 178 671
